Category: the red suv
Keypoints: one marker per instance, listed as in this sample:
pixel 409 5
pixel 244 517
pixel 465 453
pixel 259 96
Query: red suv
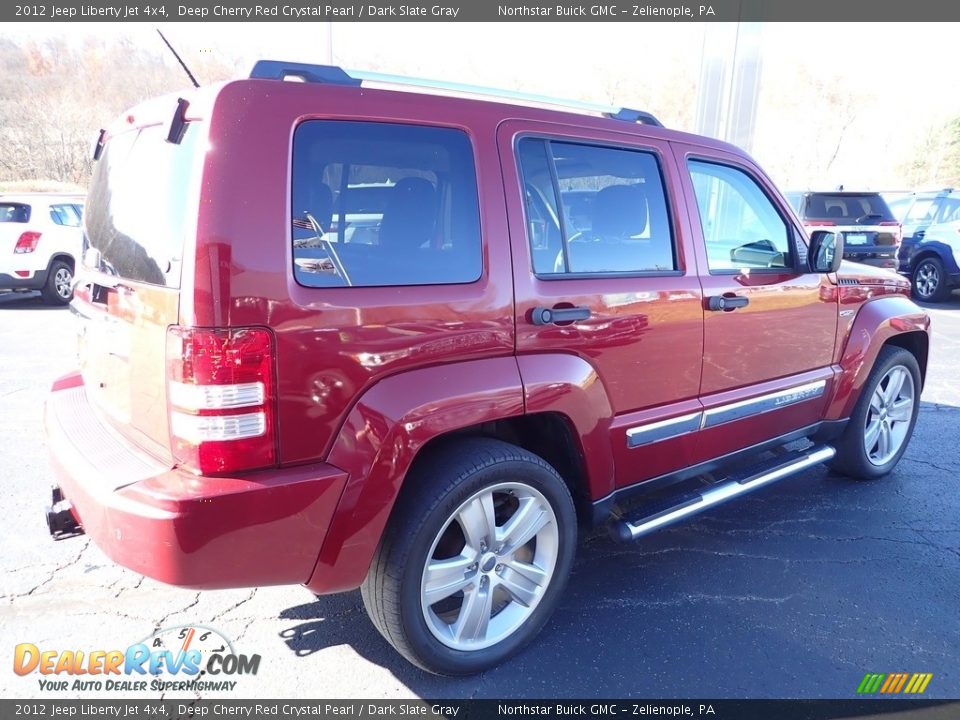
pixel 344 337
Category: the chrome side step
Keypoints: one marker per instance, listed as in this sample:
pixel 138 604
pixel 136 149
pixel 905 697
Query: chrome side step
pixel 733 486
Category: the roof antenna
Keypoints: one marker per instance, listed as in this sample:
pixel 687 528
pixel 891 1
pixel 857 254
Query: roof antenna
pixel 179 60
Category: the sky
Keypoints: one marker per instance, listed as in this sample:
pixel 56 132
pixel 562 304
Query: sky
pixel 900 92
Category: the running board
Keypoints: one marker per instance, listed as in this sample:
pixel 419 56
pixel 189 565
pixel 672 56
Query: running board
pixel 733 486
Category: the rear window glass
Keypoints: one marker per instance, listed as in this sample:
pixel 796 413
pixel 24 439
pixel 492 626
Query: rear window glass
pixel 138 211
pixel 860 209
pixel 14 213
pixel 379 204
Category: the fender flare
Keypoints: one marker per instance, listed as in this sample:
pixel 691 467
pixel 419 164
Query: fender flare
pixel 380 438
pixel 398 416
pixel 570 386
pixel 876 323
pixel 931 248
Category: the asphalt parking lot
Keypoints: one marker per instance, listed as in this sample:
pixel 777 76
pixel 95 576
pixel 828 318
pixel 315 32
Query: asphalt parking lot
pixel 796 591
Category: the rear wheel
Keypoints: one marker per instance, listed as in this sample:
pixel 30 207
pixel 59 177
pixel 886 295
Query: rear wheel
pixel 474 558
pixel 883 419
pixel 58 290
pixel 930 281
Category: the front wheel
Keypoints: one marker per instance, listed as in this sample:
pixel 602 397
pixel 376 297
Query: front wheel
pixel 882 422
pixel 474 558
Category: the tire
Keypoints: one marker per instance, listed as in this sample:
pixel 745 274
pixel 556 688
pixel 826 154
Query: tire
pixel 930 281
pixel 441 516
pixel 58 290
pixel 853 457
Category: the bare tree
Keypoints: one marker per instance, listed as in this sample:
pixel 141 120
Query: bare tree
pixel 55 95
pixel 935 161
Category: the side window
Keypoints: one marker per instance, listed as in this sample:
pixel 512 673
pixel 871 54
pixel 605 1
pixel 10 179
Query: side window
pixel 741 227
pixel 921 212
pixel 378 204
pixel 593 209
pixel 949 210
pixel 65 215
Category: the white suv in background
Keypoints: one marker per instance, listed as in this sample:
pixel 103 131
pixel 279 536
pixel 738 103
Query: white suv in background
pixel 41 240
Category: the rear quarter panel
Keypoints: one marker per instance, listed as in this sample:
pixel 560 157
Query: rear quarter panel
pixel 334 343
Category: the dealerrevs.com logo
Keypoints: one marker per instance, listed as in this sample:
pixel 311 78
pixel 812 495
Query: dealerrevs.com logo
pixel 183 658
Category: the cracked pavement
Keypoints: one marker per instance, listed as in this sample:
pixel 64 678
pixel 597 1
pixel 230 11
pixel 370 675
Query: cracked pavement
pixel 797 590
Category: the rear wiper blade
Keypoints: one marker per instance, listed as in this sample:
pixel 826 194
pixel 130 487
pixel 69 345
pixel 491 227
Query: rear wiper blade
pixel 867 217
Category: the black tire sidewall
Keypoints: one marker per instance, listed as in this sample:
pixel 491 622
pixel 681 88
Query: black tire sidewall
pixel 853 455
pixel 433 654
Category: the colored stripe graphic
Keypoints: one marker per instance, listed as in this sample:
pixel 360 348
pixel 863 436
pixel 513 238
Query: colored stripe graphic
pixel 870 684
pixel 898 682
pixel 899 687
pixel 894 683
pixel 918 683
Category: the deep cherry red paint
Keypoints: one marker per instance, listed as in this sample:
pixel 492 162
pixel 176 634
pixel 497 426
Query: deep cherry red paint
pixel 367 377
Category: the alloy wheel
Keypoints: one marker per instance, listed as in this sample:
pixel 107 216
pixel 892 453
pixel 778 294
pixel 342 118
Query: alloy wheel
pixel 927 279
pixel 62 281
pixel 489 566
pixel 889 415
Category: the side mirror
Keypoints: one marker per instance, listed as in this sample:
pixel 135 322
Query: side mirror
pixel 91 258
pixel 826 251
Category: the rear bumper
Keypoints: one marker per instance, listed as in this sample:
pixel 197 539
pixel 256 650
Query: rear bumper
pixel 14 282
pixel 265 528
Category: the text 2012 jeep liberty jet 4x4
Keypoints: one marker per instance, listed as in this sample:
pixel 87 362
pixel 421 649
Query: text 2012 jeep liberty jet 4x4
pixel 346 336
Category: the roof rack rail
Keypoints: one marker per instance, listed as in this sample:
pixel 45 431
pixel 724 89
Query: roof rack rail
pixel 334 75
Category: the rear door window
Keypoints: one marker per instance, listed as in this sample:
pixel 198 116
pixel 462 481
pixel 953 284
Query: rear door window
pixel 66 215
pixel 381 204
pixel 594 209
pixel 949 210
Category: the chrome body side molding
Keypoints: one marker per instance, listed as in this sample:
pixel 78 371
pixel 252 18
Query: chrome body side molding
pixel 648 433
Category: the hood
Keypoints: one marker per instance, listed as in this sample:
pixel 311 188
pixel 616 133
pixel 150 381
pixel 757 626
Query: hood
pixel 851 273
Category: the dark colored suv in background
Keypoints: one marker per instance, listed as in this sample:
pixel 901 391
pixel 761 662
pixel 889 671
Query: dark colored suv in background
pixel 358 337
pixel 871 233
pixel 928 254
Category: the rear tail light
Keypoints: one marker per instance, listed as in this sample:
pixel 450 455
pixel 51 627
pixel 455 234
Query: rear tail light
pixel 27 243
pixel 221 394
pixel 896 229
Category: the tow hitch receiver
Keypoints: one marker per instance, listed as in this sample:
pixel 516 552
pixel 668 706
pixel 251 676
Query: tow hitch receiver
pixel 60 520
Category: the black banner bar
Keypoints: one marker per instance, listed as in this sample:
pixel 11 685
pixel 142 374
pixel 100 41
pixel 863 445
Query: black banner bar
pixel 478 709
pixel 155 11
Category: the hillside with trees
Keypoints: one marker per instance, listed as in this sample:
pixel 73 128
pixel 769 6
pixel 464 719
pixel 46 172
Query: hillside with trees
pixel 56 94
